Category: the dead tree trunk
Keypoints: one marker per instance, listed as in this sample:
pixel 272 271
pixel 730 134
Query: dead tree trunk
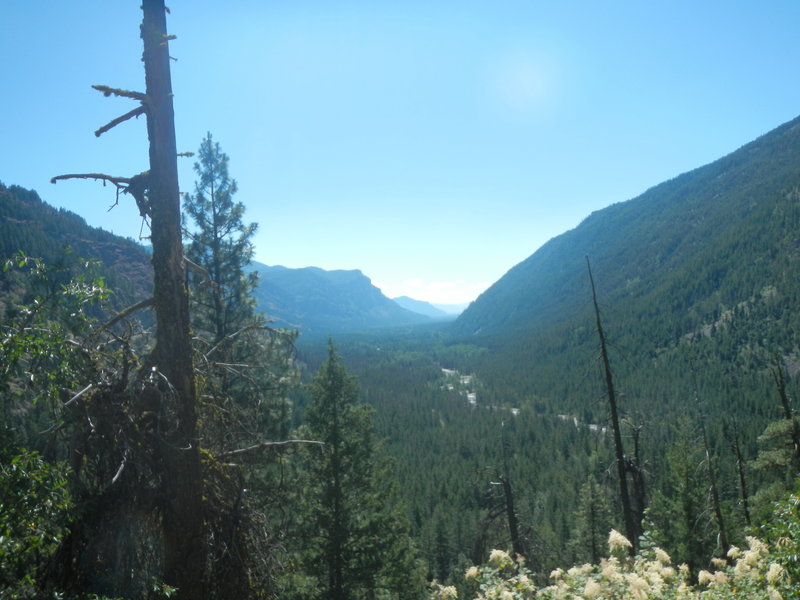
pixel 164 490
pixel 635 467
pixel 788 414
pixel 511 513
pixel 737 450
pixel 712 480
pixel 627 511
pixel 184 543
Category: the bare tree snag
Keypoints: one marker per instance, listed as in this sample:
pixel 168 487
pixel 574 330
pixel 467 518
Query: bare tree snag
pixel 184 536
pixel 162 483
pixel 788 413
pixel 627 511
pixel 740 469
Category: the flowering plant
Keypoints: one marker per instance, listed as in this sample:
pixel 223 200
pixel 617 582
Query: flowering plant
pixel 750 573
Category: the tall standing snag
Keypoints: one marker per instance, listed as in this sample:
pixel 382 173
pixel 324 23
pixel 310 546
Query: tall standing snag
pixel 627 511
pixel 166 483
pixel 184 547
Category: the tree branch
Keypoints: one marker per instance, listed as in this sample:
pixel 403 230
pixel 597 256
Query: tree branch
pixel 231 336
pixel 124 313
pixel 264 446
pixel 79 394
pixel 139 110
pixel 108 91
pixel 120 182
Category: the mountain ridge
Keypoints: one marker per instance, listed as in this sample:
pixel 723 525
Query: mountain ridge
pixel 311 299
pixel 325 302
pixel 646 237
pixel 422 307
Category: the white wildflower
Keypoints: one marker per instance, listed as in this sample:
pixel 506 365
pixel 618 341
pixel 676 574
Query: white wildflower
pixel 749 558
pixel 525 583
pixel 617 541
pixel 506 595
pixel 662 557
pixel 637 582
pixel 655 579
pixel 573 571
pixel 775 573
pixel 447 592
pixel 667 572
pixel 720 563
pixel 592 589
pixel 743 568
pixel 609 568
pixel 756 545
pixel 499 559
pixel 704 577
pixel 471 573
pixel 556 574
pixel 720 577
pixel 774 594
pixel 734 552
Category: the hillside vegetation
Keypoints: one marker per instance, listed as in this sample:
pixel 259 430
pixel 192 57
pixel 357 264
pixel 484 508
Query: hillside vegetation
pixel 497 424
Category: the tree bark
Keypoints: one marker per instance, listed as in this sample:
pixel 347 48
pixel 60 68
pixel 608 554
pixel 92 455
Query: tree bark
pixel 184 543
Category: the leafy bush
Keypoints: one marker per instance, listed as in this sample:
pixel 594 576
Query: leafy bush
pixel 34 506
pixel 754 573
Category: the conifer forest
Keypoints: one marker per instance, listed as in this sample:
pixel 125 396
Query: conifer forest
pixel 616 417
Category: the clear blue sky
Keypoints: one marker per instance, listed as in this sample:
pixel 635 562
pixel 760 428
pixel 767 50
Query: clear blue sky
pixel 433 144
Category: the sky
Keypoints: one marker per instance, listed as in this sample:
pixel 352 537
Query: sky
pixel 432 144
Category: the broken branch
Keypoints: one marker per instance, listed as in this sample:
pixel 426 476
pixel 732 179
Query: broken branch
pixel 79 394
pixel 124 313
pixel 108 91
pixel 231 336
pixel 265 446
pixel 120 182
pixel 128 115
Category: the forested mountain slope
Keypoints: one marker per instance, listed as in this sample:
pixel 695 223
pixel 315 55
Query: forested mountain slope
pixel 323 302
pixel 60 238
pixel 708 238
pixel 311 299
pixel 700 272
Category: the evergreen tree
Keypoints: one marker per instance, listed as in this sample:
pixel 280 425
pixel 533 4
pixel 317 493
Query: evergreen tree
pixel 354 534
pixel 220 248
pixel 681 512
pixel 247 367
pixel 592 523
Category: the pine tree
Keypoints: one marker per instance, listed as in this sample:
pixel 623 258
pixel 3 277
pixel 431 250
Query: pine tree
pixel 356 541
pixel 247 367
pixel 681 511
pixel 219 250
pixel 592 523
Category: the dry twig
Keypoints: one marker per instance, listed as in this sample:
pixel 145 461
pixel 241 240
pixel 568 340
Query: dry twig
pixel 265 446
pixel 139 110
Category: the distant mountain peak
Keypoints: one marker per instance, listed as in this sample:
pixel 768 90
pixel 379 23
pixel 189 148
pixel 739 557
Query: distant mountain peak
pixel 316 300
pixel 421 307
